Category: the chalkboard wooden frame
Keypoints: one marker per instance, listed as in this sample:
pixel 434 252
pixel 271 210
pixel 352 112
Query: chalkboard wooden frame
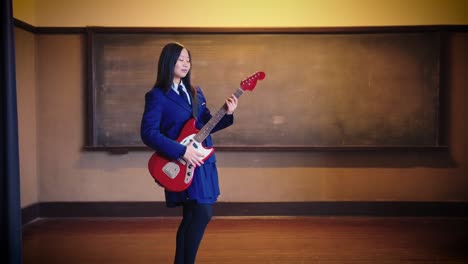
pixel 91 32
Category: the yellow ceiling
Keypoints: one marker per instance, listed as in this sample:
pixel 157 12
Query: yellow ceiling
pixel 240 13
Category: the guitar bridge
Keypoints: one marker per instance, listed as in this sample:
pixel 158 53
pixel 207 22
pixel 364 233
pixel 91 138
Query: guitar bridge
pixel 171 170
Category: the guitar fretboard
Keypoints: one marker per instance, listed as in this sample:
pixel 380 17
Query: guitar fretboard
pixel 206 130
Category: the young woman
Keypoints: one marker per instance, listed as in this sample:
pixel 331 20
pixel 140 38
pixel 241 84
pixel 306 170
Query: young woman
pixel 167 107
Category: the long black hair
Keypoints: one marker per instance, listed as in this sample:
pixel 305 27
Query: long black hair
pixel 167 61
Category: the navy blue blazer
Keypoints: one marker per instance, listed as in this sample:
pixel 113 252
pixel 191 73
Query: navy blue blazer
pixel 164 116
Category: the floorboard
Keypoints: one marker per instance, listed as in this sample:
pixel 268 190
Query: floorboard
pixel 328 240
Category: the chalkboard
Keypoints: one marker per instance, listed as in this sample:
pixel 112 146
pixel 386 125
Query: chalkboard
pixel 321 90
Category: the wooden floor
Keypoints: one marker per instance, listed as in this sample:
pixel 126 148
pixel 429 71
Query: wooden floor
pixel 251 240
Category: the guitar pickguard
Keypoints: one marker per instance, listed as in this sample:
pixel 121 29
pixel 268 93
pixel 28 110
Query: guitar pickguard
pixel 200 149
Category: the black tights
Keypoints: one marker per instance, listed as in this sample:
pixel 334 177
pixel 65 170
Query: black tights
pixel 190 233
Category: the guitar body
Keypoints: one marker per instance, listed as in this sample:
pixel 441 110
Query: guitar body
pixel 177 175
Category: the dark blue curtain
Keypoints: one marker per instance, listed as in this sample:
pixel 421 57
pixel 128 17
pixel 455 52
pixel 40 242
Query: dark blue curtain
pixel 10 220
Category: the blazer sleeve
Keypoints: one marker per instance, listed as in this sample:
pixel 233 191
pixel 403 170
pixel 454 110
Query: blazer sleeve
pixel 151 133
pixel 205 114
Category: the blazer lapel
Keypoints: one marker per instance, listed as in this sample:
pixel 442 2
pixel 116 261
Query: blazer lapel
pixel 178 100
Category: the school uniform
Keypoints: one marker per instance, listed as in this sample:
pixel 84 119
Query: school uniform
pixel 164 116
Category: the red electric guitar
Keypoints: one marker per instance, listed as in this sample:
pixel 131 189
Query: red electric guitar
pixel 177 175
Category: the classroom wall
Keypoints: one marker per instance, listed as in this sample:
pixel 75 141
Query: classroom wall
pixel 27 114
pixel 51 87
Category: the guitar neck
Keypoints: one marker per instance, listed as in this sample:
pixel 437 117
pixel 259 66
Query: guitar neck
pixel 206 130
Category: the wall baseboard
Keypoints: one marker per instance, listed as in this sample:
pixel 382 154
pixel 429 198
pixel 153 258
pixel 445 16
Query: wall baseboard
pixel 158 209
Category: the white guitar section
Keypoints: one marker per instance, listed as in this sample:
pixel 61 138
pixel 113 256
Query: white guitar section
pixel 172 169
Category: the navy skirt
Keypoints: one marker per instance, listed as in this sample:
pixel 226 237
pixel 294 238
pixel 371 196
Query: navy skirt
pixel 204 188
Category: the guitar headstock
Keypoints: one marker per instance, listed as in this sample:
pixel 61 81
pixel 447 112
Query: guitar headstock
pixel 250 82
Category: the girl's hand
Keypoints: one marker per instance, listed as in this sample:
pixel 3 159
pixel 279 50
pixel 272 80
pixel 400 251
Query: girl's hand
pixel 231 104
pixel 192 156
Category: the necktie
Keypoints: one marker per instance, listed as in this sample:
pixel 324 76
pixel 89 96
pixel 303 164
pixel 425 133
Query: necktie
pixel 183 94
